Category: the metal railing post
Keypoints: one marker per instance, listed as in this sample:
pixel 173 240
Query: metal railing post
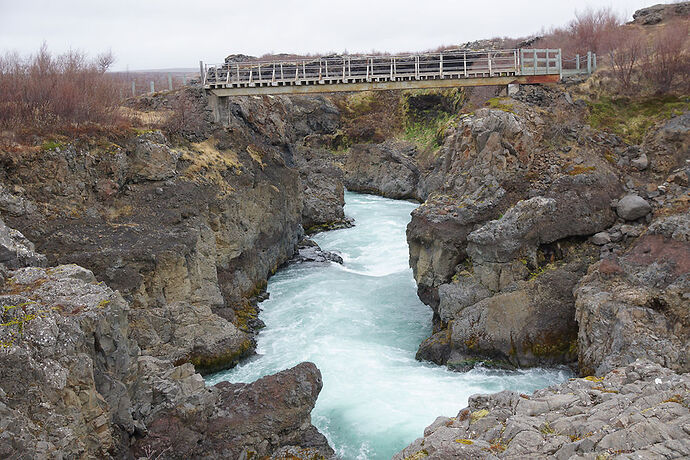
pixel 488 58
pixel 594 62
pixel 560 63
pixel 202 77
pixel 152 88
pixel 589 63
pixel 464 63
pixel 577 62
pixel 535 62
pixel 440 65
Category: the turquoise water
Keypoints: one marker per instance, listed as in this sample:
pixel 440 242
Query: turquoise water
pixel 361 324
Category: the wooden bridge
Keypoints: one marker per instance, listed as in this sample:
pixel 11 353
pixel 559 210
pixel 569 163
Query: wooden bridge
pixel 451 68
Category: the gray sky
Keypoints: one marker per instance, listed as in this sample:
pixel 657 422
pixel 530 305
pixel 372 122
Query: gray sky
pixel 156 34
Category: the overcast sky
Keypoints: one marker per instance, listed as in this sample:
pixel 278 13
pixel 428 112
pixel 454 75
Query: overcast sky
pixel 159 34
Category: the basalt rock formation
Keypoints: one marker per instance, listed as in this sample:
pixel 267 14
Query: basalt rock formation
pixel 185 232
pixel 74 381
pixel 636 411
pixel 520 204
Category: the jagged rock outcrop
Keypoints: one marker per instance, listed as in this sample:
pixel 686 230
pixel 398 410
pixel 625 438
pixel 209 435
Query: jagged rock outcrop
pixel 388 169
pixel 466 175
pixel 323 190
pixel 501 289
pixel 308 251
pixel 659 13
pixel 636 304
pixel 243 420
pixel 74 382
pixel 16 251
pixel 637 411
pixel 64 362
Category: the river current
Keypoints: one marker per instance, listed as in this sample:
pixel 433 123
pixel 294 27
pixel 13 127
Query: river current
pixel 361 324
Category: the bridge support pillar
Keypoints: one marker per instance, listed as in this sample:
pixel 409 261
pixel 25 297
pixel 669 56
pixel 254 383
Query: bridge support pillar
pixel 216 104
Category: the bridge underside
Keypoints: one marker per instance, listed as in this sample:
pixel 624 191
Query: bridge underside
pixel 386 85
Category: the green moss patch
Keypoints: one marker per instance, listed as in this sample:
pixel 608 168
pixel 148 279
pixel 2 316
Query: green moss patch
pixel 631 119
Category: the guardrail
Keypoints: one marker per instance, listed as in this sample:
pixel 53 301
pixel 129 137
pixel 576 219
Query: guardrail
pixel 345 69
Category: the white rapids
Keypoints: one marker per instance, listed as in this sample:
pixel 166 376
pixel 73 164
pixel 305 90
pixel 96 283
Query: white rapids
pixel 361 324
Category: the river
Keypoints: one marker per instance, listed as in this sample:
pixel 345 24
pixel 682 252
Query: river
pixel 361 324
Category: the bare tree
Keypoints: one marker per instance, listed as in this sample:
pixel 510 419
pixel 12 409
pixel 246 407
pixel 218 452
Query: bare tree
pixel 104 61
pixel 668 58
pixel 626 47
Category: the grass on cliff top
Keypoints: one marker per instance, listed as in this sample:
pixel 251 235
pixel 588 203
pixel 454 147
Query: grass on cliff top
pixel 631 119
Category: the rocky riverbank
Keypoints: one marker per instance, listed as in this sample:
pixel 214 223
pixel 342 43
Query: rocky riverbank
pixel 636 411
pixel 185 232
pixel 74 381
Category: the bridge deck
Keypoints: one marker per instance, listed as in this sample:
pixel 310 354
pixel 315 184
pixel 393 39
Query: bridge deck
pixel 358 73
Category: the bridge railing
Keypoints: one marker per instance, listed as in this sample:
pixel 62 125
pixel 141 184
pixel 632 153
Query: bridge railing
pixel 450 64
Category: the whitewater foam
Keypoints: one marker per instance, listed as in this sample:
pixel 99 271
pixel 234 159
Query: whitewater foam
pixel 361 323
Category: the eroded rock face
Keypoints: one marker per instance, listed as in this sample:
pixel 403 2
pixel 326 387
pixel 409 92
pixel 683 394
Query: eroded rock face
pixel 64 362
pixel 636 305
pixel 387 169
pixel 323 190
pixel 204 224
pixel 637 411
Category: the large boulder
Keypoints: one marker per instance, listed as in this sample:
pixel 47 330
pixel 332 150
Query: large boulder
pixel 182 332
pixel 256 419
pixel 632 207
pixel 637 411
